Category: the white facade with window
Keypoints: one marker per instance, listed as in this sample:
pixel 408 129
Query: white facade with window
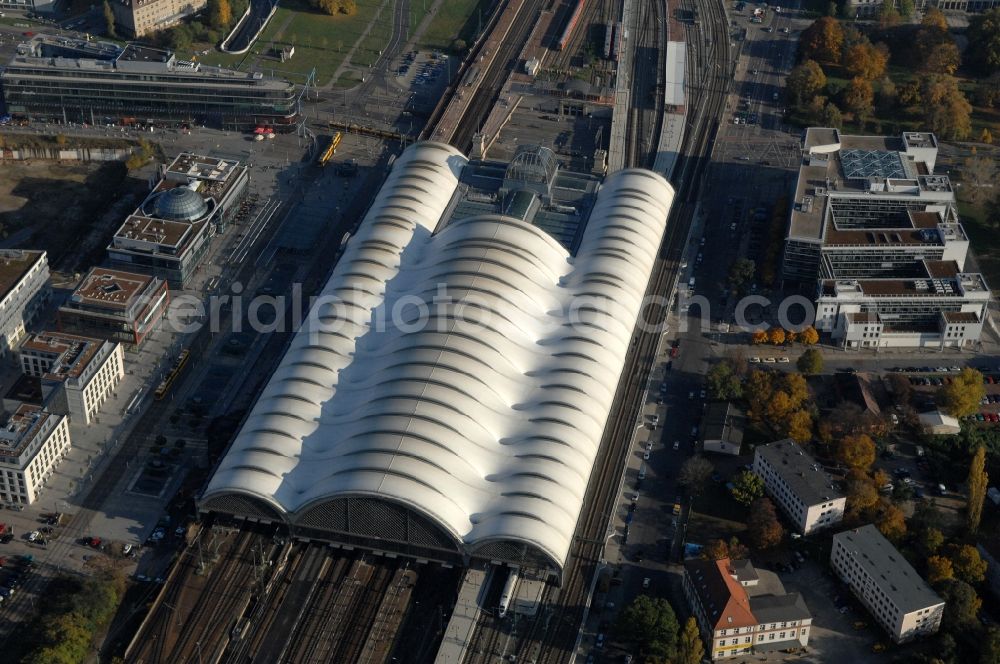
pixel 800 487
pixel 32 443
pixel 24 277
pixel 77 373
pixel 897 597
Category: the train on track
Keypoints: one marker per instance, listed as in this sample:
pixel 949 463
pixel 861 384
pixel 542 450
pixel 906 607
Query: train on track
pixel 567 33
pixel 330 150
pixel 164 387
pixel 507 596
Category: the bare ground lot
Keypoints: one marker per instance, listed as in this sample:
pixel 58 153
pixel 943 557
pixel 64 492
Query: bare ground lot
pixel 53 205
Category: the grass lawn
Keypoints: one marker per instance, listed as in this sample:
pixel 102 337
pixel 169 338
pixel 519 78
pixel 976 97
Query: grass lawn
pixel 457 19
pixel 320 40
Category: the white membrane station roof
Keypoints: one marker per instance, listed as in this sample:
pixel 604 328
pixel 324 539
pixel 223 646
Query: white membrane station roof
pixel 456 375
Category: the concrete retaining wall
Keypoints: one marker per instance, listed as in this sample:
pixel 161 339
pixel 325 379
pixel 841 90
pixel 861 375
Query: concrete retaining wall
pixel 61 154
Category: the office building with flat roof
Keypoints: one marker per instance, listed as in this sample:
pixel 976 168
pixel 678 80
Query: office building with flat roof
pixel 66 80
pixel 897 597
pixel 168 235
pixel 874 228
pixel 800 486
pixel 77 374
pixel 722 428
pixel 135 18
pixel 24 290
pixel 737 615
pixel 32 443
pixel 115 305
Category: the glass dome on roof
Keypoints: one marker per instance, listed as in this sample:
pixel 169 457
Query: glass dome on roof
pixel 179 204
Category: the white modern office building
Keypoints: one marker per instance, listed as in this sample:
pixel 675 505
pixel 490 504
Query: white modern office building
pixel 876 232
pixel 168 236
pixel 799 485
pixel 24 290
pixel 32 443
pixel 466 424
pixel 897 597
pixel 77 374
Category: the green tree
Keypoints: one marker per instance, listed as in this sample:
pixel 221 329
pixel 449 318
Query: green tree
pixel 968 564
pixel 887 15
pixel 930 540
pixel 723 382
pixel 891 522
pixel 989 646
pixel 831 116
pixel 858 97
pixel 690 649
pixel 962 395
pixel 946 110
pixel 804 82
pixel 856 451
pixel 822 40
pixel 650 627
pixel 741 273
pixel 984 41
pixel 694 474
pixel 220 14
pixel 939 570
pixel 942 58
pixel 810 362
pixel 905 8
pixel 763 527
pixel 977 483
pixel 962 605
pixel 865 61
pixel 862 494
pixel 109 19
pixel 747 487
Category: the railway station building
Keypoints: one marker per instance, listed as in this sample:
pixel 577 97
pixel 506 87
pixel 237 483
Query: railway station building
pixel 64 80
pixel 168 235
pixel 448 394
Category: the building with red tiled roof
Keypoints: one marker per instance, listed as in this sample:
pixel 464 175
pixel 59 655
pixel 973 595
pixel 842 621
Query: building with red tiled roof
pixel 733 622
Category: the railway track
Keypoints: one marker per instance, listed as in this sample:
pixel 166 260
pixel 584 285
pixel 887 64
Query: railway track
pixel 646 114
pixel 493 78
pixel 554 642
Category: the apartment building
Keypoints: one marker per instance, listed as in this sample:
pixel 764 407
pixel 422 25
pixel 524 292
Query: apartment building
pixel 136 18
pixel 799 485
pixel 877 233
pixel 897 597
pixel 115 305
pixel 77 374
pixel 62 80
pixel 168 235
pixel 24 290
pixel 32 443
pixel 737 616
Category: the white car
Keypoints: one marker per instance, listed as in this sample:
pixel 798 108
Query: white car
pixel 677 445
pixel 33 535
pixel 690 395
pixel 649 446
pixel 769 360
pixel 783 360
pixel 754 360
pixel 645 582
pixel 645 455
